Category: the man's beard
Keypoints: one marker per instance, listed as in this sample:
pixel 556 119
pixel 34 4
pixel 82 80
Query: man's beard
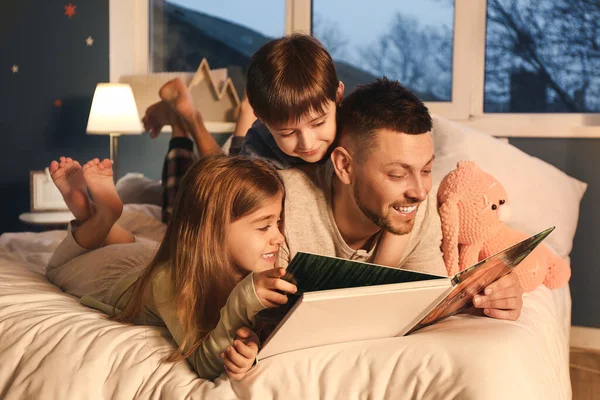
pixel 382 221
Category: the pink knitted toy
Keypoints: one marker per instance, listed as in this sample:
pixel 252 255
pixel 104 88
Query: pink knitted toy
pixel 472 205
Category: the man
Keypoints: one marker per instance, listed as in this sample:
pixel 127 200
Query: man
pixel 372 196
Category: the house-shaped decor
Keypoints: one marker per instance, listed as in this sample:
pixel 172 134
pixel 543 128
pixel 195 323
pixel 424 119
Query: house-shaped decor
pixel 212 91
pixel 214 94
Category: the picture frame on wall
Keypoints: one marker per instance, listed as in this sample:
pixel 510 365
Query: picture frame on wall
pixel 44 196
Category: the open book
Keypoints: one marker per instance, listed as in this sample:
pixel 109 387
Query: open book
pixel 342 300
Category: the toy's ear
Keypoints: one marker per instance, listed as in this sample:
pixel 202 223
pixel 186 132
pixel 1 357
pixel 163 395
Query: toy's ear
pixel 467 164
pixel 450 227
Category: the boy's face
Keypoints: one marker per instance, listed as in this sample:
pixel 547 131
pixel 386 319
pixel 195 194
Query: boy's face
pixel 308 138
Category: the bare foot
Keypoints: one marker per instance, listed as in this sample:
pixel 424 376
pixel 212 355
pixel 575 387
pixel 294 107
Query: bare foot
pixel 178 96
pixel 160 114
pixel 68 178
pixel 98 176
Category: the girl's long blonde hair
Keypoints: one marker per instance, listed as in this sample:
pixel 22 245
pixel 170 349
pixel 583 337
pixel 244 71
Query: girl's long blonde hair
pixel 215 191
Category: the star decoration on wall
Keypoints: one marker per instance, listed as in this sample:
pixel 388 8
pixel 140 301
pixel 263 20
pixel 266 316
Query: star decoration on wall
pixel 15 68
pixel 57 103
pixel 89 41
pixel 70 10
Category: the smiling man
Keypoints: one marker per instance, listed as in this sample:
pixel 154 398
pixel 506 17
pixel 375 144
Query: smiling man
pixel 372 196
pixel 377 181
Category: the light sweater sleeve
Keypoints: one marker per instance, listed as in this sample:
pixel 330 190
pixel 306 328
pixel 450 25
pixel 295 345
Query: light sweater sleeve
pixel 241 307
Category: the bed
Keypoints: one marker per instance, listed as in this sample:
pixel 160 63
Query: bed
pixel 52 347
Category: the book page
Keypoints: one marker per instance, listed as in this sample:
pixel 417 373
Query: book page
pixel 474 279
pixel 312 272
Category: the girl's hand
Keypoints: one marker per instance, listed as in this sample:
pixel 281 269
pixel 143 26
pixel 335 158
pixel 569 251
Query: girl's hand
pixel 268 287
pixel 502 299
pixel 240 357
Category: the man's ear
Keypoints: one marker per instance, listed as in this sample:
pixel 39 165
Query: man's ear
pixel 342 164
pixel 339 94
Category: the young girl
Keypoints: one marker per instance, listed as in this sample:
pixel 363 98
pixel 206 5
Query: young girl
pixel 214 269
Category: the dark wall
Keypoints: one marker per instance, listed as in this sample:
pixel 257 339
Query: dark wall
pixel 55 63
pixel 578 158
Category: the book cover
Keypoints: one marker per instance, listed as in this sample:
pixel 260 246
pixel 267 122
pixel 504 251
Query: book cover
pixel 330 280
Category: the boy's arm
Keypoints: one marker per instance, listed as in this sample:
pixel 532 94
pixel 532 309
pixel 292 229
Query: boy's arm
pixel 245 118
pixel 259 143
pixel 427 256
pixel 241 307
pixel 390 249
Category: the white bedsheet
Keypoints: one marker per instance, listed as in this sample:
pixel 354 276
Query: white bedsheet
pixel 51 347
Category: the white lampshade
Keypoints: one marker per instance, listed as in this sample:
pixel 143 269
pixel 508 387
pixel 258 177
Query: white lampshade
pixel 114 111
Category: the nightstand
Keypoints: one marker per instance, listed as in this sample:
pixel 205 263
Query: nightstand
pixel 48 218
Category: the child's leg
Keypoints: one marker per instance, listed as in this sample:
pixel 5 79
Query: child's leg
pixel 83 272
pixel 118 235
pixel 178 96
pixel 68 177
pixel 245 119
pixel 178 160
pixel 80 271
pixel 180 155
pixel 95 230
pixel 244 122
pixel 185 121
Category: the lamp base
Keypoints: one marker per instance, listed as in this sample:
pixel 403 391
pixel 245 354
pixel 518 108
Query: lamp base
pixel 114 148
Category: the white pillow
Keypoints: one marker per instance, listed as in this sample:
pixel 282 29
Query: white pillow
pixel 539 194
pixel 135 188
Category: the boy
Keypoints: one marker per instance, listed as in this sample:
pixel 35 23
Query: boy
pixel 292 93
pixel 293 90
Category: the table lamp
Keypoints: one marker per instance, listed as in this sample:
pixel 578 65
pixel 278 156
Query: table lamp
pixel 114 113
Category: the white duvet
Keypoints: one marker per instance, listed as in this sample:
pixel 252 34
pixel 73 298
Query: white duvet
pixel 51 347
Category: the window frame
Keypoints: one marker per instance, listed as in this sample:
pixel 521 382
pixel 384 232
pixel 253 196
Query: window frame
pixel 129 54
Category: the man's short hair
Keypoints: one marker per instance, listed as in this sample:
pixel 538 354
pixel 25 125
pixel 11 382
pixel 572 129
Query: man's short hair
pixel 290 77
pixel 383 104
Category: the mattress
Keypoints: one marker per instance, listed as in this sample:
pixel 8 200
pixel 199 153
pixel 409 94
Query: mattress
pixel 52 347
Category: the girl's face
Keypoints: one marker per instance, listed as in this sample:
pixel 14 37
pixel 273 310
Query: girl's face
pixel 253 241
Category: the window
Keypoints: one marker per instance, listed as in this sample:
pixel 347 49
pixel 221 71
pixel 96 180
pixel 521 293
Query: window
pixel 226 33
pixel 506 67
pixel 542 56
pixel 402 39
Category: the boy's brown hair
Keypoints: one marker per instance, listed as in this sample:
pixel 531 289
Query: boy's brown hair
pixel 290 77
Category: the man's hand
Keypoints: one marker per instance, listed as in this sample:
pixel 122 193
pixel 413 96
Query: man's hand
pixel 240 357
pixel 268 286
pixel 502 299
